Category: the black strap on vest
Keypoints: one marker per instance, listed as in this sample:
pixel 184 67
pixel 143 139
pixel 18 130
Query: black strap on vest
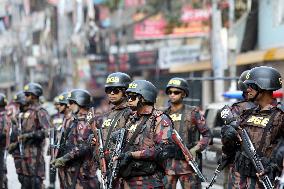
pixel 266 130
pixel 136 132
pixel 180 131
pixel 117 116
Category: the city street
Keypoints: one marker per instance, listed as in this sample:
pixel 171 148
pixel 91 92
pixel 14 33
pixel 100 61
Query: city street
pixel 14 183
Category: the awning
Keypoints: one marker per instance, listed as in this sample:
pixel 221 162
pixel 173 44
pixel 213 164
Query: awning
pixel 252 57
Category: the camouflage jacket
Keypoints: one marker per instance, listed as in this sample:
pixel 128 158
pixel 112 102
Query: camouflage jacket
pixel 239 107
pixel 265 127
pixel 35 122
pixel 155 132
pixel 78 151
pixel 194 125
pixel 115 118
pixel 5 125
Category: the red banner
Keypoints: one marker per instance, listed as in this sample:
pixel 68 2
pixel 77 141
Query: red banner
pixel 195 22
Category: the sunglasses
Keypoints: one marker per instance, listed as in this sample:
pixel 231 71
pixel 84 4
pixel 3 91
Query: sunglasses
pixel 169 92
pixel 253 86
pixel 132 97
pixel 71 102
pixel 28 94
pixel 114 90
pixel 61 104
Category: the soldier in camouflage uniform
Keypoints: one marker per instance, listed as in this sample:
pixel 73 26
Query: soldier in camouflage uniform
pixel 77 156
pixel 35 123
pixel 190 124
pixel 60 139
pixel 147 129
pixel 109 122
pixel 15 145
pixel 264 125
pixel 5 124
pixel 237 109
pixel 57 122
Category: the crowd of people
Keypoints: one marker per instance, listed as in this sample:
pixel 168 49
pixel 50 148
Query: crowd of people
pixel 130 144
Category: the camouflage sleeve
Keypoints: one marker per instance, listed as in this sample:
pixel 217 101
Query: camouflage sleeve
pixel 45 124
pixel 198 120
pixel 162 135
pixel 8 130
pixel 82 146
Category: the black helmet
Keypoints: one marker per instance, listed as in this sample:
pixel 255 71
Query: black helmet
pixel 20 98
pixel 178 83
pixel 266 78
pixel 118 79
pixel 3 100
pixel 80 96
pixel 241 85
pixel 33 88
pixel 145 89
pixel 62 98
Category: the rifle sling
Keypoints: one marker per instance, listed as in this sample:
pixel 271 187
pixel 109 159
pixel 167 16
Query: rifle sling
pixel 181 126
pixel 136 132
pixel 117 116
pixel 266 130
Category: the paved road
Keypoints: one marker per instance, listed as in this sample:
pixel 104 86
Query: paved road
pixel 13 182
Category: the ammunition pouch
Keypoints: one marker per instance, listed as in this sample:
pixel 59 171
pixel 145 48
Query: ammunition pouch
pixel 138 168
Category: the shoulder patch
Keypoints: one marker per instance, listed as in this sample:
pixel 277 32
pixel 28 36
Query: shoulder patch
pixel 157 113
pixel 165 121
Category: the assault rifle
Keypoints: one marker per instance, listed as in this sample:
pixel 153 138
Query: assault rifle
pixel 114 164
pixel 189 158
pixel 248 147
pixel 21 146
pixel 219 168
pixel 102 161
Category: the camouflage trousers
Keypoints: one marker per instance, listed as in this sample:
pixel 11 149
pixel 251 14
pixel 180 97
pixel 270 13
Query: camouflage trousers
pixel 3 171
pixel 74 180
pixel 244 182
pixel 31 182
pixel 61 176
pixel 187 181
pixel 143 182
pixel 230 179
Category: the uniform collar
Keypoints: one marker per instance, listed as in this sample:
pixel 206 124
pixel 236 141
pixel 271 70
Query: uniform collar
pixel 120 106
pixel 147 110
pixel 273 104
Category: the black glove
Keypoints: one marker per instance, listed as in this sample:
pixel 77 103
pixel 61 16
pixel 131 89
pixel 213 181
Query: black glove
pixel 228 133
pixel 269 165
pixel 125 158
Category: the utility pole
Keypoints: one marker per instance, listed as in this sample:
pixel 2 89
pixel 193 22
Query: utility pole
pixel 217 51
pixel 232 43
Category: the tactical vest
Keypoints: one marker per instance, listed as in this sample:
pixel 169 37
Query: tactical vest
pixel 143 140
pixel 182 123
pixel 112 122
pixel 30 123
pixel 262 131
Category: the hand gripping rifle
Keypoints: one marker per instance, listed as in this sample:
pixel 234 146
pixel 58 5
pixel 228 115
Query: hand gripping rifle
pixel 248 148
pixel 189 158
pixel 102 161
pixel 114 164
